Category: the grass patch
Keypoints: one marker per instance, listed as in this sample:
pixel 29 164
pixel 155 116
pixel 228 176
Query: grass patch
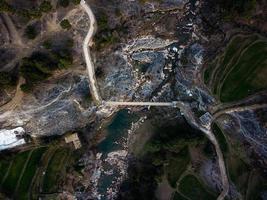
pixel 241 70
pixel 178 196
pixel 192 188
pixel 25 183
pixel 55 170
pixel 176 166
pixel 3 170
pixel 238 172
pixel 15 171
pixel 220 138
pixel 241 80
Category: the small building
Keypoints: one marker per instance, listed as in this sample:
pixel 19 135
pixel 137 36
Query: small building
pixel 74 138
pixel 206 119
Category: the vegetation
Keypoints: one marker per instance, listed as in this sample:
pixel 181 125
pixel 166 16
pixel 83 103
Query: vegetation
pixel 28 175
pixel 24 180
pixel 192 188
pixel 7 79
pixel 178 196
pixel 45 6
pixel 40 66
pixel 107 36
pixel 165 154
pixel 220 138
pixel 76 2
pixel 28 14
pixel 241 70
pixel 55 170
pixel 65 24
pixel 5 7
pixel 64 3
pixel 31 32
pixel 177 164
pixel 17 165
pixel 241 8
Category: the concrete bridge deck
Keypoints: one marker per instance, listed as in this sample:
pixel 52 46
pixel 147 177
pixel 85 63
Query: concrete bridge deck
pixel 119 103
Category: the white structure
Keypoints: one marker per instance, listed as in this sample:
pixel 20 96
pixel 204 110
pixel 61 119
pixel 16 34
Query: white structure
pixel 11 138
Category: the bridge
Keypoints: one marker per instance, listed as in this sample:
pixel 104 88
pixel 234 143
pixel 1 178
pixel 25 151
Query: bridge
pixel 174 104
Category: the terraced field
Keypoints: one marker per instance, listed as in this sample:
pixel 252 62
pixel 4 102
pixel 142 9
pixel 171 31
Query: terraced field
pixel 21 176
pixel 241 71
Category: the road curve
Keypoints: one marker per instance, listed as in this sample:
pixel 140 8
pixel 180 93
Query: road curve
pixel 88 42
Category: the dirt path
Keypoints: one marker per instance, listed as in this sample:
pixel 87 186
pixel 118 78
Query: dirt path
pixel 88 42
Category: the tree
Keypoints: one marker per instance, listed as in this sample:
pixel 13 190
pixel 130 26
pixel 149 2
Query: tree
pixel 65 24
pixel 5 7
pixel 45 6
pixel 64 3
pixel 76 2
pixel 31 32
pixel 5 78
pixel 26 88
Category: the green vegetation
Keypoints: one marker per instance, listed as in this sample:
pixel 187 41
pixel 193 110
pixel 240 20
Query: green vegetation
pixel 27 177
pixel 192 188
pixel 31 32
pixel 40 66
pixel 18 163
pixel 178 196
pixel 239 172
pixel 65 24
pixel 45 6
pixel 5 7
pixel 28 14
pixel 165 154
pixel 64 3
pixel 220 138
pixel 76 2
pixel 241 70
pixel 7 79
pixel 177 164
pixel 4 165
pixel 55 169
pixel 107 36
pixel 241 8
pixel 24 179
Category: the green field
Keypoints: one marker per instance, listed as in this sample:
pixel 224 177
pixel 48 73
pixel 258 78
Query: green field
pixel 193 189
pixel 21 175
pixel 54 170
pixel 176 166
pixel 29 173
pixel 178 196
pixel 10 182
pixel 220 138
pixel 240 71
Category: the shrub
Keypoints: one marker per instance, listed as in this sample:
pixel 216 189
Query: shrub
pixel 5 78
pixel 76 2
pixel 45 6
pixel 65 24
pixel 64 3
pixel 31 32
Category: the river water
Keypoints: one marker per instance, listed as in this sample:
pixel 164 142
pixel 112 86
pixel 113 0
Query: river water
pixel 112 153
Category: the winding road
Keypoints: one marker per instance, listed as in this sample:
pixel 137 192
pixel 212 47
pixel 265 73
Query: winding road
pixel 88 42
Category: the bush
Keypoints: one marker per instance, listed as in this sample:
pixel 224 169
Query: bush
pixel 64 3
pixel 45 6
pixel 26 88
pixel 5 78
pixel 76 2
pixel 31 32
pixel 65 24
pixel 5 7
